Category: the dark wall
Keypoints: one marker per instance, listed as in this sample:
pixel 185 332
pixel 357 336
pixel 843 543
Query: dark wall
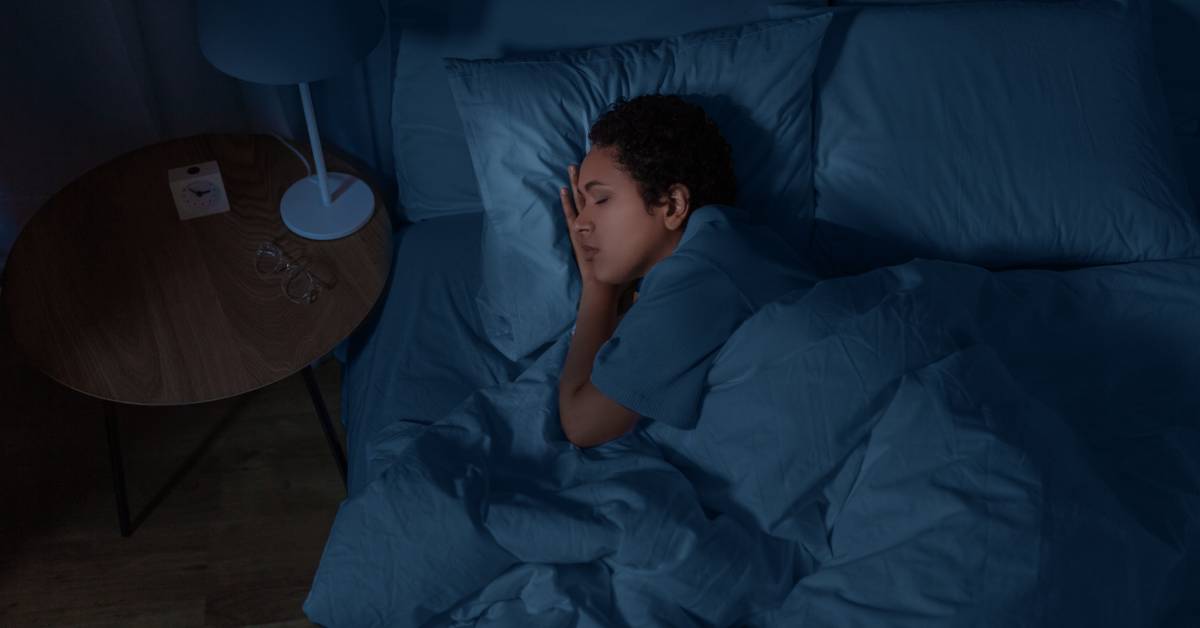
pixel 1177 47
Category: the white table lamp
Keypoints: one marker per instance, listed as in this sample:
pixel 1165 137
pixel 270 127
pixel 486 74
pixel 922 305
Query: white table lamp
pixel 284 42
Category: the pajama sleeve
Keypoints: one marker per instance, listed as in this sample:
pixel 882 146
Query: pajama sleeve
pixel 657 359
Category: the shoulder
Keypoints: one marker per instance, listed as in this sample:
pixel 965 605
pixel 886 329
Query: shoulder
pixel 717 232
pixel 682 265
pixel 691 278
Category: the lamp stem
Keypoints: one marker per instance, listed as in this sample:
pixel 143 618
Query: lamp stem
pixel 315 141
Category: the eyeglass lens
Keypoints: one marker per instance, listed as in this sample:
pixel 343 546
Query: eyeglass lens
pixel 268 260
pixel 299 285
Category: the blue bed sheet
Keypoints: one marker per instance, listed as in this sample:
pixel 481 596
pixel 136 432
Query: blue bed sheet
pixel 927 444
pixel 420 351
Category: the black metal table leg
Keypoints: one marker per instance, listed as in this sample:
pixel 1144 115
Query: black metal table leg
pixel 118 467
pixel 318 400
pixel 129 524
pixel 118 463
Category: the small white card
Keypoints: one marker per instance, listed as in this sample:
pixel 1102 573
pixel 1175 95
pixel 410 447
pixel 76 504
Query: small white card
pixel 198 190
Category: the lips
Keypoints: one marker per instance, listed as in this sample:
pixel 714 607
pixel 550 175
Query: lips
pixel 590 250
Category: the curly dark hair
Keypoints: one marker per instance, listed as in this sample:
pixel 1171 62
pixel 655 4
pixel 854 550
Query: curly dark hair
pixel 662 140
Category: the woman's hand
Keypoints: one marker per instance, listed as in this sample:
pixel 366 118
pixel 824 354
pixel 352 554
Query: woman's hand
pixel 592 288
pixel 571 213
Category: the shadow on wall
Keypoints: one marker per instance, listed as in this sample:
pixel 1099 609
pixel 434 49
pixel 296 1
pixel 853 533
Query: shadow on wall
pixel 1177 39
pixel 463 18
pixel 1176 48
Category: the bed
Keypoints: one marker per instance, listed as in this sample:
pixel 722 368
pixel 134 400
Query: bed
pixel 984 414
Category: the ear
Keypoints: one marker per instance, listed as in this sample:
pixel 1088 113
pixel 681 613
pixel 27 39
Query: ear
pixel 677 207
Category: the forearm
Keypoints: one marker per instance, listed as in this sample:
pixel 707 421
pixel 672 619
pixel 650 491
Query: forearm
pixel 594 326
pixel 588 417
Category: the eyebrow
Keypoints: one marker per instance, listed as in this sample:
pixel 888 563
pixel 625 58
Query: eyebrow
pixel 589 184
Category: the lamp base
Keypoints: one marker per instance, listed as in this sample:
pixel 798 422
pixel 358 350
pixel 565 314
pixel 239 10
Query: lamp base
pixel 351 205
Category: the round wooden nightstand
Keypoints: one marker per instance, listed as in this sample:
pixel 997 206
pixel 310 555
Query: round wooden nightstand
pixel 111 294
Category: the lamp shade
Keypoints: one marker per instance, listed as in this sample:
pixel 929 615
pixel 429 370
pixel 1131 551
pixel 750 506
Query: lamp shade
pixel 284 42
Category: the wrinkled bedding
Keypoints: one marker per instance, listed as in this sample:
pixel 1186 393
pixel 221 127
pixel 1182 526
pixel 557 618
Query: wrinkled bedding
pixel 928 444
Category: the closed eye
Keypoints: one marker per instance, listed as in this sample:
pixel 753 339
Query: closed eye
pixel 601 201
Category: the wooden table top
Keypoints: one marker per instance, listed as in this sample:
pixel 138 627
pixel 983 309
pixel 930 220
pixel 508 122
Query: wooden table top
pixel 112 295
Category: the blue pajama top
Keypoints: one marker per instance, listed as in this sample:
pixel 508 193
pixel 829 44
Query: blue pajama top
pixel 723 270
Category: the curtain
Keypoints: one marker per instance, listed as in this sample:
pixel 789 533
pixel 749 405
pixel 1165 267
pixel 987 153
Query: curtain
pixel 88 80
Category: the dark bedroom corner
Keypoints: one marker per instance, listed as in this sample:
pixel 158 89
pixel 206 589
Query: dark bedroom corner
pixel 233 543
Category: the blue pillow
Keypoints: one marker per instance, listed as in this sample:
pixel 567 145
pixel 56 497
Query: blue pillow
pixel 433 165
pixel 527 117
pixel 999 134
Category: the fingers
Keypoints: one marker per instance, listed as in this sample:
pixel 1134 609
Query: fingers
pixel 571 210
pixel 568 211
pixel 573 176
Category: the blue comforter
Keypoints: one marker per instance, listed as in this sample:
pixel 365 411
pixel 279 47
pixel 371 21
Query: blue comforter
pixel 929 444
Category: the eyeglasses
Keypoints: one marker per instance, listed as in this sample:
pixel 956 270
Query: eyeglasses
pixel 299 284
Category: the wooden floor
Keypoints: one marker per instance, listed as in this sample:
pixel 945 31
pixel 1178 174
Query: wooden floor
pixel 234 543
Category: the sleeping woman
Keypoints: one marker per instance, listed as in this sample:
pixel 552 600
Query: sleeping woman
pixel 652 206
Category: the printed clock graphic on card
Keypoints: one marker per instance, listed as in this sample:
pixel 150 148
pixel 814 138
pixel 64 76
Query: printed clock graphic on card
pixel 202 194
pixel 198 190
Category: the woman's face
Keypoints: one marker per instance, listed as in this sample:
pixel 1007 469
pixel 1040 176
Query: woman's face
pixel 614 219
